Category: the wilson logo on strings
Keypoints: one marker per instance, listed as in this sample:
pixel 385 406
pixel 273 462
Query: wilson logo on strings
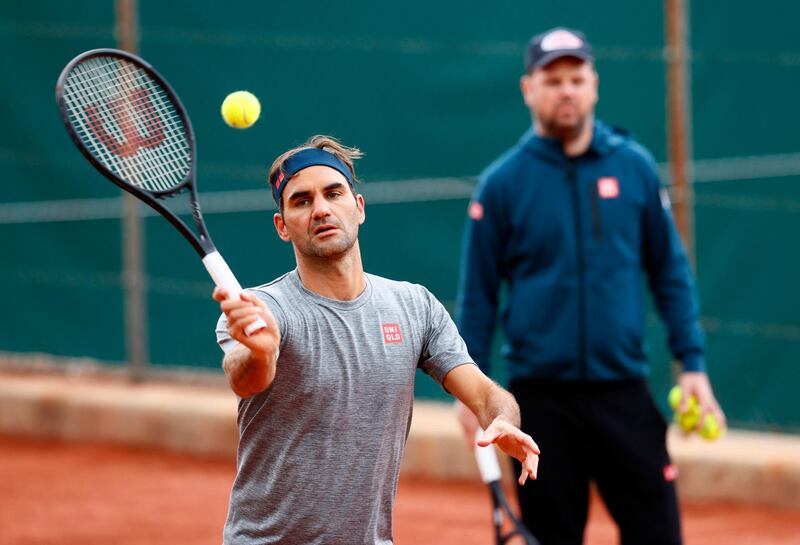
pixel 121 108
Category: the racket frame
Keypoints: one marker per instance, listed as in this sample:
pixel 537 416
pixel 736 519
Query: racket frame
pixel 201 240
pixel 491 475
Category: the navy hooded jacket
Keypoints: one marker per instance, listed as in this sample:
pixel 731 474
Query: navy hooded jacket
pixel 572 240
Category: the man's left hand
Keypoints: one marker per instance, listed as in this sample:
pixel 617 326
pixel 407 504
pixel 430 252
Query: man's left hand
pixel 513 442
pixel 696 383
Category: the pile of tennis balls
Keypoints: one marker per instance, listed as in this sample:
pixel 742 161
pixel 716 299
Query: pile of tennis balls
pixel 689 420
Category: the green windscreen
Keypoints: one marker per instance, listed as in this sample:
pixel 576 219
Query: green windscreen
pixel 429 91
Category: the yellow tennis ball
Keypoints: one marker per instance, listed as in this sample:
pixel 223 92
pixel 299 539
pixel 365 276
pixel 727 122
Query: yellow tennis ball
pixel 240 109
pixel 674 397
pixel 689 419
pixel 711 429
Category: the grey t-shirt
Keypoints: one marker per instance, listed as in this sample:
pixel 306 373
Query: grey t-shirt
pixel 320 449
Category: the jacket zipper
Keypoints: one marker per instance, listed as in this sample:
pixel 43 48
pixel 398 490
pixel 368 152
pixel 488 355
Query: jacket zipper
pixel 573 180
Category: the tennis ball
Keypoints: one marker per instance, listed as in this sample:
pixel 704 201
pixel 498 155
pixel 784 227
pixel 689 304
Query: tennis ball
pixel 674 397
pixel 240 109
pixel 711 429
pixel 689 419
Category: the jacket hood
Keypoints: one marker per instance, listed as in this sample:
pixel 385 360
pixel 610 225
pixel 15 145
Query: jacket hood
pixel 605 140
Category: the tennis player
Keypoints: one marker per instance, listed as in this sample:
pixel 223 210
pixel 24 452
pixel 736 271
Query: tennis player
pixel 326 390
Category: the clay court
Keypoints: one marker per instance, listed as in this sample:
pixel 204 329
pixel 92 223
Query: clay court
pixel 71 493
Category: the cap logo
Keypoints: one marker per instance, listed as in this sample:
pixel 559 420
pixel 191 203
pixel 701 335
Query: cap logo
pixel 561 39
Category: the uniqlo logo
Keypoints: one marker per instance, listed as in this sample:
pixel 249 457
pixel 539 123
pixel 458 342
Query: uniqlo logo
pixel 391 333
pixel 608 187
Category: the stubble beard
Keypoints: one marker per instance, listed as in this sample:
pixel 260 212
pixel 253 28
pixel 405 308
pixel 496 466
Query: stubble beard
pixel 331 249
pixel 564 132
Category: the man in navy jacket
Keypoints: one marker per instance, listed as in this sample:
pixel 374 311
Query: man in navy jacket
pixel 571 221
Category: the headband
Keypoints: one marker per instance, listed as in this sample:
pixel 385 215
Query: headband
pixel 303 159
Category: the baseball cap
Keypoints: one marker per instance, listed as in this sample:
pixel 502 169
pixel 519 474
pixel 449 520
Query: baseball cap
pixel 557 42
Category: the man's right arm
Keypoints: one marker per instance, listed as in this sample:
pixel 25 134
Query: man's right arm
pixel 484 243
pixel 250 365
pixel 483 247
pixel 247 372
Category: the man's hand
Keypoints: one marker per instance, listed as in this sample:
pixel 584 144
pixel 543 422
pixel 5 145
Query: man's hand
pixel 513 442
pixel 250 367
pixel 243 312
pixel 695 383
pixel 496 409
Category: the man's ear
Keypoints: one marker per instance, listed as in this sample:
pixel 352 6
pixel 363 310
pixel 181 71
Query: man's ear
pixel 280 227
pixel 525 83
pixel 362 214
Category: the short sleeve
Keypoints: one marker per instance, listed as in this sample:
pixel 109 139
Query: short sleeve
pixel 224 340
pixel 443 349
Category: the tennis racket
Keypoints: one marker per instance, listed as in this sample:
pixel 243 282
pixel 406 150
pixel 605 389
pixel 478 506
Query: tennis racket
pixel 502 514
pixel 129 123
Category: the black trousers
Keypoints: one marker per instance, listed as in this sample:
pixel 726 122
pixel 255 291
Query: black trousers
pixel 610 433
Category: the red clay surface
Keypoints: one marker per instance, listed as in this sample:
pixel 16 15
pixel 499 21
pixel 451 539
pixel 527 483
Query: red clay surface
pixel 90 494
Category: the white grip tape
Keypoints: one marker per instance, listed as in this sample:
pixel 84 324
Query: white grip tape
pixel 487 461
pixel 222 274
pixel 223 278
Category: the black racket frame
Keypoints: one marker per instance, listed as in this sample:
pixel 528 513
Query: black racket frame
pixel 500 504
pixel 200 241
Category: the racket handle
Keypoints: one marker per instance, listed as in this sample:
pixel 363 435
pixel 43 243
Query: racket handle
pixel 223 278
pixel 487 461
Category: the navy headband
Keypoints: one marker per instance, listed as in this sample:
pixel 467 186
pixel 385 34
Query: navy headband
pixel 303 159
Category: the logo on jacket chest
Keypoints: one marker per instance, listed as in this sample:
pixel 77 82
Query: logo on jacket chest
pixel 607 187
pixel 391 333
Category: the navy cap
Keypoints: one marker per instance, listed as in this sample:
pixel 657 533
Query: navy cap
pixel 554 44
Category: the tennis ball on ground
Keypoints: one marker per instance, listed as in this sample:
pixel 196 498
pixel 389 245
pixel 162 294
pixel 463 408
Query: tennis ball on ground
pixel 711 429
pixel 240 109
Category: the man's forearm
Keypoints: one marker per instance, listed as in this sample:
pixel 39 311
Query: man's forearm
pixel 248 373
pixel 498 403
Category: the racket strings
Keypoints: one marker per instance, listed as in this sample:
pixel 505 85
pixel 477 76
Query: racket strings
pixel 136 100
pixel 130 132
pixel 128 122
